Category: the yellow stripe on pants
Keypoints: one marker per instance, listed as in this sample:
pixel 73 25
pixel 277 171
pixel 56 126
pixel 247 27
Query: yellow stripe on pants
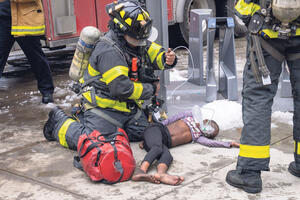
pixel 249 151
pixel 63 131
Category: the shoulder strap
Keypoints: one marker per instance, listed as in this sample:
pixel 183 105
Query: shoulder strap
pixel 106 117
pixel 112 43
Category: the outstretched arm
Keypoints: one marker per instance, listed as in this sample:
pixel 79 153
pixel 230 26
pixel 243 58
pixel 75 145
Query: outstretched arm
pixel 213 143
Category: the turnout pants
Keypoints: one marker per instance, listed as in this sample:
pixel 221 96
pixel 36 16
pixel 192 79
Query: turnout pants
pixel 257 107
pixel 32 48
pixel 67 130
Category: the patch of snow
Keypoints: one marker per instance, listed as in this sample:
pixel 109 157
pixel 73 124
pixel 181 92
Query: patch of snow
pixel 283 117
pixel 228 114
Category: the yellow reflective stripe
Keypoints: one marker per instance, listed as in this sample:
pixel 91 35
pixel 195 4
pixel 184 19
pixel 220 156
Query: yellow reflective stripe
pixel 246 8
pixel 159 61
pixel 270 33
pixel 298 31
pixel 107 103
pixel 274 34
pixel 28 33
pixel 28 30
pixel 297 150
pixel 128 21
pixel 137 91
pixel 28 27
pixel 115 72
pixel 254 151
pixel 63 131
pixel 92 71
pixel 153 51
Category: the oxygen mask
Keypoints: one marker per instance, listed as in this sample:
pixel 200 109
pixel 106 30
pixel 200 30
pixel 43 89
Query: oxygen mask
pixel 205 126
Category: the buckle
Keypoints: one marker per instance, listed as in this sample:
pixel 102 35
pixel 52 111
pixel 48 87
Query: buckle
pixel 131 105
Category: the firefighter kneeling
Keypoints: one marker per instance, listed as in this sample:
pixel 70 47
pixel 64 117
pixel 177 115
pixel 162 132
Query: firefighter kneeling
pixel 112 94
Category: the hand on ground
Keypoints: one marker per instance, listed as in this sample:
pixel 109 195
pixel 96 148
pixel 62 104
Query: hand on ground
pixel 234 144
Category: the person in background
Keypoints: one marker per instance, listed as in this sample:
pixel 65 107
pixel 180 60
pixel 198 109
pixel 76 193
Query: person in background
pixel 176 130
pixel 23 21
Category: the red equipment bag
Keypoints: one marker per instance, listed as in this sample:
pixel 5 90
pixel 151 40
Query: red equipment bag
pixel 105 158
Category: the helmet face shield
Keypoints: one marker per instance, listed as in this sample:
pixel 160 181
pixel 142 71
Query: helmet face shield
pixel 135 42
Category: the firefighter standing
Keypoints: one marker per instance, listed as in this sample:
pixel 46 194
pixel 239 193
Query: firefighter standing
pixel 23 21
pixel 113 91
pixel 267 48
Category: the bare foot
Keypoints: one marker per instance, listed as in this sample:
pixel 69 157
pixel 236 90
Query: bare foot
pixel 169 179
pixel 140 175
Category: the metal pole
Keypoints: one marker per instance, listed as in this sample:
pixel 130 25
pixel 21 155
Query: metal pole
pixel 159 13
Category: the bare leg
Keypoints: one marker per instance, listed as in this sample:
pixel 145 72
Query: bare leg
pixel 140 174
pixel 165 178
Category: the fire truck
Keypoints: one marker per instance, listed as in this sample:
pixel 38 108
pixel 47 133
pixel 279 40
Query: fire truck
pixel 66 18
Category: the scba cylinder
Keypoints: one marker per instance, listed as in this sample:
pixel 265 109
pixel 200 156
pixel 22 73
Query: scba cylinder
pixel 85 45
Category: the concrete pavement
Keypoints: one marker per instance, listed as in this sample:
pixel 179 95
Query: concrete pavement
pixel 32 168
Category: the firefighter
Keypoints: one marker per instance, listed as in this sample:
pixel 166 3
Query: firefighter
pixel 23 21
pixel 112 92
pixel 268 46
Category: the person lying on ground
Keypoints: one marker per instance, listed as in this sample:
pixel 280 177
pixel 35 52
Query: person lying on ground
pixel 176 130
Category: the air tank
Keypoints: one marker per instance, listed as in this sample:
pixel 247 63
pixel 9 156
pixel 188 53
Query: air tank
pixel 85 45
pixel 286 10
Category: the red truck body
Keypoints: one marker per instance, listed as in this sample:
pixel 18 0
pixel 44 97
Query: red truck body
pixel 87 13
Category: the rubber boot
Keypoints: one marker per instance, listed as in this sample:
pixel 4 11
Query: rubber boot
pixel 293 169
pixel 55 115
pixel 248 180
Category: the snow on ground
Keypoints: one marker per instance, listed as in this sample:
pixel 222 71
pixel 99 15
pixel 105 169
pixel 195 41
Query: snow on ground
pixel 228 114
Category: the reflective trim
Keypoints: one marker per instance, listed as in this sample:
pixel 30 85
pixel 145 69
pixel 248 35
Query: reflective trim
pixel 140 17
pixel 297 150
pixel 246 8
pixel 115 72
pixel 254 151
pixel 159 61
pixel 137 91
pixel 92 71
pixel 107 103
pixel 153 51
pixel 274 34
pixel 122 13
pixel 28 30
pixel 128 21
pixel 63 131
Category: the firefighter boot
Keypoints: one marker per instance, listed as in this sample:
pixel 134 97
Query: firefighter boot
pixel 248 180
pixel 55 115
pixel 293 169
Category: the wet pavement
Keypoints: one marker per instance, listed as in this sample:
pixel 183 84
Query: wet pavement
pixel 32 168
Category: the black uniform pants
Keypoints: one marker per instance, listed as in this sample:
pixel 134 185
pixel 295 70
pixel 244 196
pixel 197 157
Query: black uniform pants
pixel 157 141
pixel 257 107
pixel 68 131
pixel 31 46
